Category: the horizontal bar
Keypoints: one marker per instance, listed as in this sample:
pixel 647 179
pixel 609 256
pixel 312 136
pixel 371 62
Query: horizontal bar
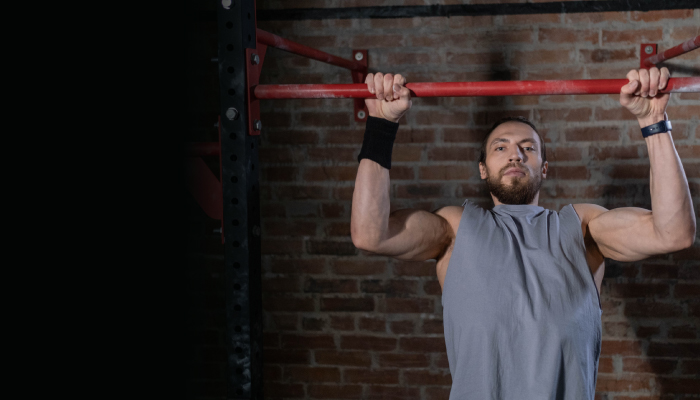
pixel 467 89
pixel 296 48
pixel 198 149
pixel 676 51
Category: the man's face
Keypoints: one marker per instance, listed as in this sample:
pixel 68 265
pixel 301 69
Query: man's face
pixel 513 169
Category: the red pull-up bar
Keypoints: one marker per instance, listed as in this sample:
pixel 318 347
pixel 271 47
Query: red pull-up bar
pixel 466 89
pixel 676 51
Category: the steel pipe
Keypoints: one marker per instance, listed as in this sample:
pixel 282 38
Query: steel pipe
pixel 676 51
pixel 296 48
pixel 467 89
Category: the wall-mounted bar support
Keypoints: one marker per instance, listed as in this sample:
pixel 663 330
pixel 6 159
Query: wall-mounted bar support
pixel 650 58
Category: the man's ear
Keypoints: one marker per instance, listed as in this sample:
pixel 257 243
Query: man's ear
pixel 482 170
pixel 545 167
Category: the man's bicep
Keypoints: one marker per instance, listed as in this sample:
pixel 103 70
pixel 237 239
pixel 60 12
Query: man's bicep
pixel 626 234
pixel 416 235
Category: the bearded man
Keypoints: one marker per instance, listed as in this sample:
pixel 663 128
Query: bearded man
pixel 521 283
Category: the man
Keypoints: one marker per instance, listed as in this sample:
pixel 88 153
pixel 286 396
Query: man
pixel 521 283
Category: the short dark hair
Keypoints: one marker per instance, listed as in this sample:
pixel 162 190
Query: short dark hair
pixel 482 152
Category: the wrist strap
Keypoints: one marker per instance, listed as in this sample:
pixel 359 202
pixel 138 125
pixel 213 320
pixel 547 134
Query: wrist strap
pixel 659 127
pixel 379 141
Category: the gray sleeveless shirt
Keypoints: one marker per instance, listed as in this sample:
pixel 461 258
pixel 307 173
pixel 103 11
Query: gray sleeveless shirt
pixel 521 311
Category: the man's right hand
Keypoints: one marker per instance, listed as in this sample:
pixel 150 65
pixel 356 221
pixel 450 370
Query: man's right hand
pixel 393 97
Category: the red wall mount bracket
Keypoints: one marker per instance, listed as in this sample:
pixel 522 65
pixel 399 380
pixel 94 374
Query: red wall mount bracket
pixel 647 50
pixel 254 60
pixel 361 57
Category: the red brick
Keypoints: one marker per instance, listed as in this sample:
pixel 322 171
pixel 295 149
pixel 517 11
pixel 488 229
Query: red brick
pixel 342 323
pixel 406 154
pixel 489 117
pixel 659 272
pixel 433 326
pixel 272 373
pixel 651 16
pixel 616 152
pixel 593 134
pixel 653 310
pixel 489 59
pixel 633 36
pixel 686 151
pixel 414 268
pixel 444 172
pixel 297 266
pixel 683 33
pixel 410 305
pixel 287 228
pixel 653 365
pixel 313 285
pixel 630 290
pixel 692 253
pixel 312 374
pixel 568 172
pixel 647 331
pixel 402 327
pixel 632 383
pixel 432 288
pixel 372 324
pixel 621 347
pixel 530 19
pixel 331 247
pixel 683 291
pixel 422 344
pixel 437 393
pixel 422 191
pixel 567 35
pixel 683 332
pixel 288 304
pixel 308 341
pixel 659 349
pixel 690 367
pixel 343 358
pixel 679 385
pixel 536 57
pixel 453 154
pixel 366 343
pixel 334 391
pixel 281 246
pixel 424 378
pixel 564 114
pixel 389 287
pixel 442 118
pixel 389 23
pixel 275 356
pixel 335 154
pixel 605 365
pixel 377 41
pixel 555 73
pixel 404 360
pixel 396 59
pixel 392 393
pixel 594 17
pixel 314 324
pixel 470 22
pixel 359 267
pixel 381 376
pixel 463 135
pixel 344 136
pixel 338 229
pixel 606 56
pixel 349 305
pixel 410 135
pixel 291 137
pixel 330 173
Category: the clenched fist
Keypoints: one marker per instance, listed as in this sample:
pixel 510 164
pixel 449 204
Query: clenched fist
pixel 642 97
pixel 393 97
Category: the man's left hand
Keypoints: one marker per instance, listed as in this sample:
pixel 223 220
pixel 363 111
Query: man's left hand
pixel 642 94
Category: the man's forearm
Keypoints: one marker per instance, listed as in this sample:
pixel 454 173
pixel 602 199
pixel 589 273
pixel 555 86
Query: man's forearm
pixel 672 207
pixel 370 204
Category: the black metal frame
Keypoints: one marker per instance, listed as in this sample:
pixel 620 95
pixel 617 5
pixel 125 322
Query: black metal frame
pixel 241 214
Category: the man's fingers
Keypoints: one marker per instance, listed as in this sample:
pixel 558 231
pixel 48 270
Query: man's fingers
pixel 379 85
pixel 644 80
pixel 633 75
pixel 630 88
pixel 653 81
pixel 388 87
pixel 369 80
pixel 665 74
pixel 404 94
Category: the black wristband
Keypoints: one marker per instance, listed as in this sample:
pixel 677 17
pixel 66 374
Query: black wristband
pixel 379 141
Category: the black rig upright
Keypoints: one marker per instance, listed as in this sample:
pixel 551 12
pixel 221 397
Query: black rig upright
pixel 241 218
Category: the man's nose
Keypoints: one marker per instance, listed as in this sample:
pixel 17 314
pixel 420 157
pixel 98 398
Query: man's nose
pixel 516 155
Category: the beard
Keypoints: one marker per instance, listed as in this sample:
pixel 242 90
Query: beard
pixel 522 189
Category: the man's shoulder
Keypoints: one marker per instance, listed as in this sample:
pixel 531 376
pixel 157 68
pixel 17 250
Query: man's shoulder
pixel 587 211
pixel 452 214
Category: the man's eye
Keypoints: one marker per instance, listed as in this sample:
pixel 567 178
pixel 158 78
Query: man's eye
pixel 529 148
pixel 498 148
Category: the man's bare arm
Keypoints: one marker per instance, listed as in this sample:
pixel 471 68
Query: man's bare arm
pixel 406 234
pixel 630 234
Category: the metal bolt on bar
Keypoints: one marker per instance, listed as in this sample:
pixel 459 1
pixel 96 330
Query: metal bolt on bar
pixel 676 51
pixel 466 89
pixel 296 48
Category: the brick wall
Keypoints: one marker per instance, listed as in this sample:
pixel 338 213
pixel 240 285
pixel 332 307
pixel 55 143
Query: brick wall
pixel 342 324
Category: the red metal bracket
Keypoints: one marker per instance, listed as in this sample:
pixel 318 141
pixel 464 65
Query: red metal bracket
pixel 359 77
pixel 647 50
pixel 254 60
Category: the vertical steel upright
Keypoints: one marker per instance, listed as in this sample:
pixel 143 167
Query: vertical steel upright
pixel 241 214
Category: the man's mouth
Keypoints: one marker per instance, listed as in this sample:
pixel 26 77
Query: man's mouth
pixel 514 172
